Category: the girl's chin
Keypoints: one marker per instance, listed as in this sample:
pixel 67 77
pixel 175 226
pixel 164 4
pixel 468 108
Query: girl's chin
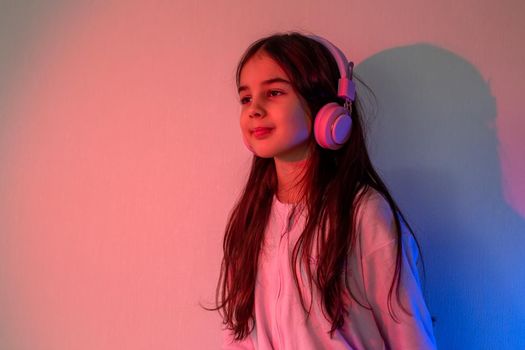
pixel 290 154
pixel 261 150
pixel 263 155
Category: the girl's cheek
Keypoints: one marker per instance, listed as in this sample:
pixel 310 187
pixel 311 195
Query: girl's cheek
pixel 242 122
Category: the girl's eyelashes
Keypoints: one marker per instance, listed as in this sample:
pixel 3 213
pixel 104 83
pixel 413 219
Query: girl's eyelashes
pixel 270 93
pixel 245 99
pixel 274 93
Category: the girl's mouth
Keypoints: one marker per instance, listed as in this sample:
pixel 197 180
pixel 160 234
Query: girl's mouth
pixel 260 133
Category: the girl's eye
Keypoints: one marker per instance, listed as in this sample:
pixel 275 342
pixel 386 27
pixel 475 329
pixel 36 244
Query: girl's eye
pixel 274 93
pixel 245 100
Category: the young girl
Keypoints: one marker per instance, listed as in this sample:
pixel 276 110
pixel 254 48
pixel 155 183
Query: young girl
pixel 317 255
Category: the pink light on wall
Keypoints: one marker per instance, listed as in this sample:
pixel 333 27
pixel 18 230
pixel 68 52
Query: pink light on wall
pixel 94 166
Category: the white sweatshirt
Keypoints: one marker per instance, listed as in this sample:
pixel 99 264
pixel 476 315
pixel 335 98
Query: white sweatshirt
pixel 280 321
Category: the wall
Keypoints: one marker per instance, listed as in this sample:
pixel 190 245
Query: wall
pixel 120 158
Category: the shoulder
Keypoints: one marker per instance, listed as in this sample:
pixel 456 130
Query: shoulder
pixel 374 222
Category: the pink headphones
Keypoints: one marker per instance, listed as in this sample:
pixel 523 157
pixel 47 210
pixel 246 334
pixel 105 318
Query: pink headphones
pixel 333 122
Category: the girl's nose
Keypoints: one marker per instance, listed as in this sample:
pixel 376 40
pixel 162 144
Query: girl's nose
pixel 257 110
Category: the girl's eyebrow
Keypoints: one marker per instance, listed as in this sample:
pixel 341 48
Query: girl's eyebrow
pixel 266 82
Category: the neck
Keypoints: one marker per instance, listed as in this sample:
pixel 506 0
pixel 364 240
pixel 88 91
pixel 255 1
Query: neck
pixel 289 176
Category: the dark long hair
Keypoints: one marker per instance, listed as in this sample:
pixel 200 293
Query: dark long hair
pixel 334 183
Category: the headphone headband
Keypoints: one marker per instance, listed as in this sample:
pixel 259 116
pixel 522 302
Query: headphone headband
pixel 346 86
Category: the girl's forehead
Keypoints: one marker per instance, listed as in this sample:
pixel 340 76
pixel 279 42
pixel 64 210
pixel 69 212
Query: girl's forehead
pixel 260 67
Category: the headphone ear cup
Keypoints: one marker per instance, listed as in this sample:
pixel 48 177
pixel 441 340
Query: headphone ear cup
pixel 332 126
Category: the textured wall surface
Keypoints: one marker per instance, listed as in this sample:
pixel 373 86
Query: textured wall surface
pixel 121 157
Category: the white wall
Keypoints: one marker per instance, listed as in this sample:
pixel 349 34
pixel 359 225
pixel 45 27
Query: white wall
pixel 120 158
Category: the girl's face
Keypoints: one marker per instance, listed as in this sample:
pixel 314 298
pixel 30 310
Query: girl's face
pixel 274 120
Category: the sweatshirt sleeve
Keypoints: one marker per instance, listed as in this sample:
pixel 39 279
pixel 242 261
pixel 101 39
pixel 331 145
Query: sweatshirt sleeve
pixel 411 328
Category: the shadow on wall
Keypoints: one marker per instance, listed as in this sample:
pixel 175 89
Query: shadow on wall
pixel 433 141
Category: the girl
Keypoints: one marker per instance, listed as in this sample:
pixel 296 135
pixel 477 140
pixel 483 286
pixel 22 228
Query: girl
pixel 317 255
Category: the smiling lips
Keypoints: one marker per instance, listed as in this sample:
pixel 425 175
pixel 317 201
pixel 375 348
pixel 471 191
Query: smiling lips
pixel 260 133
